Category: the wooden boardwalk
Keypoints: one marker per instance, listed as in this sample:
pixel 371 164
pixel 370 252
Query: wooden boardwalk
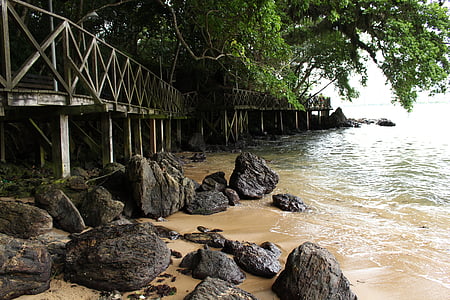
pixel 52 71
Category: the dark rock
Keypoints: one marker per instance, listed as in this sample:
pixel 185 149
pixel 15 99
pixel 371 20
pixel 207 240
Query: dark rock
pixel 64 213
pixel 214 182
pixel 112 177
pixel 99 208
pixel 215 288
pixel 159 190
pixel 164 232
pixel 232 195
pixel 23 220
pixel 251 177
pixel 311 272
pixel 122 257
pixel 77 171
pixel 207 203
pixel 198 157
pixel 56 246
pixel 288 202
pixel 204 263
pixel 385 122
pixel 253 258
pixel 25 267
pixel 76 183
pixel 204 229
pixel 337 120
pixel 212 239
pixel 272 248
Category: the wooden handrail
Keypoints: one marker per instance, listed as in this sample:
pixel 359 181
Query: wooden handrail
pixel 86 65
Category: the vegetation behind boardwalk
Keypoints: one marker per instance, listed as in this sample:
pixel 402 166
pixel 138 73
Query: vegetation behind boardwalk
pixel 290 48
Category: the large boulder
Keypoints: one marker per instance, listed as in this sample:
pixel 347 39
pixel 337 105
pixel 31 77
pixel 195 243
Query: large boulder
pixel 311 272
pixel 207 203
pixel 23 220
pixel 288 202
pixel 99 208
pixel 205 262
pixel 257 260
pixel 251 177
pixel 116 257
pixel 212 239
pixel 385 122
pixel 159 188
pixel 64 213
pixel 25 267
pixel 337 119
pixel 214 182
pixel 215 288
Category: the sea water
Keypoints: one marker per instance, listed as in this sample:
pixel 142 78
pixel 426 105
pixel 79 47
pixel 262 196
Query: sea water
pixel 379 199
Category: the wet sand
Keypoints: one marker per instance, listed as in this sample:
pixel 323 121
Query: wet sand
pixel 375 271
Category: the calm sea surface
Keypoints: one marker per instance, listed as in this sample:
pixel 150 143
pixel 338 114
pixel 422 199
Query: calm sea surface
pixel 380 198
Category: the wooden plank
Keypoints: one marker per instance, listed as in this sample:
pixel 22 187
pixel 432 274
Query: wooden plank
pixel 60 146
pixel 107 139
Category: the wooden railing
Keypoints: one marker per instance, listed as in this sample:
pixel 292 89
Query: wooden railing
pixel 256 100
pixel 78 63
pixel 318 103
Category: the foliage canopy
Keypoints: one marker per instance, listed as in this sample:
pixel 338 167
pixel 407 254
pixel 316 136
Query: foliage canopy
pixel 284 47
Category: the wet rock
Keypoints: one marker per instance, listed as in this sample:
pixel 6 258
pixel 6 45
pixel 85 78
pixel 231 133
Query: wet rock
pixel 205 229
pixel 251 177
pixel 164 232
pixel 214 182
pixel 272 248
pixel 215 288
pixel 159 189
pixel 253 258
pixel 77 183
pixel 23 220
pixel 288 202
pixel 198 157
pixel 205 262
pixel 56 246
pixel 25 267
pixel 99 208
pixel 122 257
pixel 311 272
pixel 207 203
pixel 64 213
pixel 385 122
pixel 77 171
pixel 212 239
pixel 232 195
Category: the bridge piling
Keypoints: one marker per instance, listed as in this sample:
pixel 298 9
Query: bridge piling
pixel 2 143
pixel 137 133
pixel 107 139
pixel 127 139
pixel 60 146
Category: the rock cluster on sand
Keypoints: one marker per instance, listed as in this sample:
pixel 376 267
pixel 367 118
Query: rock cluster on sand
pixel 120 254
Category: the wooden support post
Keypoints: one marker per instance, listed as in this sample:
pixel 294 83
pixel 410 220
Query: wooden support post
pixel 60 146
pixel 137 137
pixel 168 135
pixel 225 123
pixel 308 120
pixel 107 139
pixel 152 124
pixel 236 126
pixel 281 122
pixel 179 133
pixel 162 147
pixel 127 141
pixel 41 156
pixel 319 117
pixel 262 122
pixel 296 119
pixel 2 142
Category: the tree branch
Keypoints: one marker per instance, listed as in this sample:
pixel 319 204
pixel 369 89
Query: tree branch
pixel 182 40
pixel 105 6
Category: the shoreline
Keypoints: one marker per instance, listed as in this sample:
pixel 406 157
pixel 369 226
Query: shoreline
pixel 254 221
